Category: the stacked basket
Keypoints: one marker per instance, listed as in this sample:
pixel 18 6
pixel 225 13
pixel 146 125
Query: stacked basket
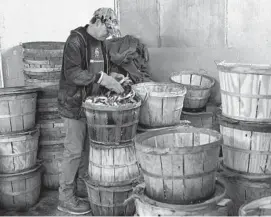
pixel 20 174
pixel 162 105
pixel 245 123
pixel 179 166
pixel 42 66
pixel 113 169
pixel 198 85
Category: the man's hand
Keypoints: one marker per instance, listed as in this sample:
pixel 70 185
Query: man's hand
pixel 117 76
pixel 111 84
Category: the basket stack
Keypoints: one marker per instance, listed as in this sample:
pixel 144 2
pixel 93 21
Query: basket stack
pixel 162 105
pixel 179 166
pixel 20 174
pixel 113 169
pixel 198 86
pixel 42 68
pixel 245 123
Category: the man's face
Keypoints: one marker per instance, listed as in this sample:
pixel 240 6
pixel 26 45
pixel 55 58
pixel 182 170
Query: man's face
pixel 101 30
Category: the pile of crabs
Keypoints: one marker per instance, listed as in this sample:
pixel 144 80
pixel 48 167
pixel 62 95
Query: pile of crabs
pixel 111 98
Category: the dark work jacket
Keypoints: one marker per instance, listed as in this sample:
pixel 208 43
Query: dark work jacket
pixel 130 56
pixel 79 73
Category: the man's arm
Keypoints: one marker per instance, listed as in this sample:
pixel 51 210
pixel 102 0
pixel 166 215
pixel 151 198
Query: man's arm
pixel 72 64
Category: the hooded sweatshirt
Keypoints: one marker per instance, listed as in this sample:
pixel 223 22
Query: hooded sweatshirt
pixel 83 58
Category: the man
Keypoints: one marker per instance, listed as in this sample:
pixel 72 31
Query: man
pixel 84 69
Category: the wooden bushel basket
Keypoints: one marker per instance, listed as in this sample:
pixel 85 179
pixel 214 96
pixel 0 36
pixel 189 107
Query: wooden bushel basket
pixel 18 151
pixel 179 164
pixel 113 165
pixel 17 108
pixel 48 88
pixel 162 103
pixel 112 125
pixel 218 205
pixel 260 207
pixel 200 119
pixel 246 146
pixel 41 50
pixel 52 132
pixel 245 91
pixel 20 191
pixel 198 87
pixel 51 157
pixel 109 201
pixel 244 188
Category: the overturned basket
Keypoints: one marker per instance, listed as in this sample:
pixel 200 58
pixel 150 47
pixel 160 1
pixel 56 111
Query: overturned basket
pixel 198 87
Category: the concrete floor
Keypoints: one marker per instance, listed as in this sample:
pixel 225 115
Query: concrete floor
pixel 47 206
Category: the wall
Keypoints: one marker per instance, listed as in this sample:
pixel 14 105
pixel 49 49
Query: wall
pixel 37 20
pixel 193 33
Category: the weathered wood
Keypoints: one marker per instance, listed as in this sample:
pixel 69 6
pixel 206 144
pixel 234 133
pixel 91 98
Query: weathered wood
pixel 43 50
pixel 113 166
pixel 109 201
pixel 246 146
pixel 143 130
pixel 198 88
pixel 52 132
pixel 48 88
pixel 245 91
pixel 162 103
pixel 112 125
pixel 17 108
pixel 191 23
pixel 51 157
pixel 20 191
pixel 200 119
pixel 242 189
pixel 18 151
pixel 179 163
pixel 217 205
pixel 141 19
pixel 260 207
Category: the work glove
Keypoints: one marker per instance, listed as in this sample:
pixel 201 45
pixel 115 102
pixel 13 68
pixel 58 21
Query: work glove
pixel 111 84
pixel 117 76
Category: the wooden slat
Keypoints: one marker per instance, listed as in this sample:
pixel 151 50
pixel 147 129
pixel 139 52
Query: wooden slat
pixel 192 23
pixel 141 19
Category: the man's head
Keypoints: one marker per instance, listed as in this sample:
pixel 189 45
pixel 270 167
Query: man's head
pixel 103 23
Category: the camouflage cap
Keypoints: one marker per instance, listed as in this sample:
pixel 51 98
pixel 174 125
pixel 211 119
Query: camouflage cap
pixel 105 14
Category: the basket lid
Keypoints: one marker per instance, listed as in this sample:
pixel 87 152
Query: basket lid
pixel 18 90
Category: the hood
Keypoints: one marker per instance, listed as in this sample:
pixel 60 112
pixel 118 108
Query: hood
pixel 82 31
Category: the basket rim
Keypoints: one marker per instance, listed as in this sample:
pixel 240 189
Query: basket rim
pixel 18 90
pixel 181 89
pixel 254 204
pixel 176 150
pixel 242 124
pixel 220 192
pixel 31 132
pixel 29 45
pixel 244 176
pixel 243 64
pixel 37 167
pixel 191 72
